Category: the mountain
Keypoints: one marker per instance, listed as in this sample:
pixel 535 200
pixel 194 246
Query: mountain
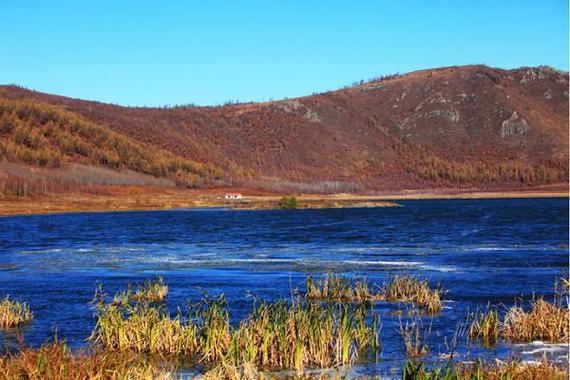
pixel 454 127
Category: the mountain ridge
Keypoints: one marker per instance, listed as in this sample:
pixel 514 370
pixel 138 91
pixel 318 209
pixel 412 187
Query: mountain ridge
pixel 15 87
pixel 454 127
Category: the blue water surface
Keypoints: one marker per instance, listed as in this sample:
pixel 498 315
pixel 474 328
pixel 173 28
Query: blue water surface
pixel 483 252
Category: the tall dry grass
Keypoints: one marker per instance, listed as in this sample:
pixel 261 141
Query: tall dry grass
pixel 276 335
pixel 512 369
pixel 57 362
pixel 280 335
pixel 544 321
pixel 338 288
pixel 485 327
pixel 150 291
pixel 297 336
pixel 14 313
pixel 143 329
pixel 415 335
pixel 412 289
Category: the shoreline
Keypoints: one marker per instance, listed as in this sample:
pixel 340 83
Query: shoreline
pixel 153 199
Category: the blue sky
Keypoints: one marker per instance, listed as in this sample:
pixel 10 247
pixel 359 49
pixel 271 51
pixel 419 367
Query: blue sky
pixel 206 52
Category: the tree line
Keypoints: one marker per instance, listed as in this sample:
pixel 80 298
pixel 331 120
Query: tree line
pixel 47 136
pixel 435 169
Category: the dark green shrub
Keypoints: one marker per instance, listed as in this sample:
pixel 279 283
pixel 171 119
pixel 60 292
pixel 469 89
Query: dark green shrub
pixel 288 203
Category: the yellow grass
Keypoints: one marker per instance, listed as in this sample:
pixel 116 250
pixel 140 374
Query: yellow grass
pixel 486 327
pixel 143 329
pixel 150 291
pixel 281 335
pixel 57 362
pixel 14 313
pixel 276 335
pixel 297 336
pixel 544 321
pixel 117 198
pixel 338 288
pixel 512 369
pixel 547 321
pixel 412 289
pixel 226 371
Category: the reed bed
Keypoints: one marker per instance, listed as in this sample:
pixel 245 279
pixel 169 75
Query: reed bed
pixel 543 321
pixel 212 325
pixel 291 335
pixel 513 369
pixel 14 313
pixel 276 335
pixel 229 372
pixel 57 362
pixel 149 291
pixel 225 371
pixel 412 289
pixel 297 336
pixel 143 329
pixel 485 327
pixel 338 288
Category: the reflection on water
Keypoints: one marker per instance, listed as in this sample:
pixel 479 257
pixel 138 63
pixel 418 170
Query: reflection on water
pixel 481 251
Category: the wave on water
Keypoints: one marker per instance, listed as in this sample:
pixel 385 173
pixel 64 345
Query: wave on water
pixel 540 347
pixel 216 257
pixel 40 251
pixel 439 268
pixel 484 249
pixel 493 248
pixel 380 263
pixel 97 249
pixel 221 262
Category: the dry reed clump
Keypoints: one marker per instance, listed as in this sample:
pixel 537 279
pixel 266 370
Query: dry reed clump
pixel 56 362
pixel 512 369
pixel 544 321
pixel 247 372
pixel 548 321
pixel 150 291
pixel 227 371
pixel 412 289
pixel 486 327
pixel 14 313
pixel 415 335
pixel 297 336
pixel 212 326
pixel 338 288
pixel 143 329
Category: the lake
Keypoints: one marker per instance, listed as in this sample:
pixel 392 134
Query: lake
pixel 482 252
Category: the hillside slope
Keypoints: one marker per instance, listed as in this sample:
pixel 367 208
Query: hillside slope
pixel 456 127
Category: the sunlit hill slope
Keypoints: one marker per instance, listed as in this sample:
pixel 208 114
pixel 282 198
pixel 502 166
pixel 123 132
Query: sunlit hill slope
pixel 457 127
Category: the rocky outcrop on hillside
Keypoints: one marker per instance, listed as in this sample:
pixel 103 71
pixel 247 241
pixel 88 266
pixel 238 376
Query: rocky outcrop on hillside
pixel 514 127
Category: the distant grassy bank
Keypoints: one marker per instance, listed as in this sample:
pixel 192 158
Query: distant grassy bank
pixel 131 198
